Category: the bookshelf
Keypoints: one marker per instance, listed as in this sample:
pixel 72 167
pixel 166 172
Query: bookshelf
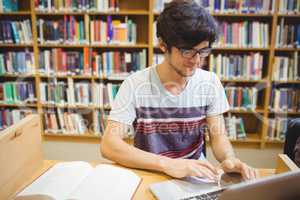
pixel 142 13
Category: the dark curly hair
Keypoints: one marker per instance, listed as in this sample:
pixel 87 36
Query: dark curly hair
pixel 184 24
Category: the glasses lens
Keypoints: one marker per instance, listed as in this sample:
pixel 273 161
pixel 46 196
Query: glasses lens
pixel 188 53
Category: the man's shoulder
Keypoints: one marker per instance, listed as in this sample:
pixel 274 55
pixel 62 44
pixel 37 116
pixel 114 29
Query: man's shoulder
pixel 139 76
pixel 204 75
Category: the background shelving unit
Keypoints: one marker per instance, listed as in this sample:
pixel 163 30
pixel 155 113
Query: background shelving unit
pixel 142 13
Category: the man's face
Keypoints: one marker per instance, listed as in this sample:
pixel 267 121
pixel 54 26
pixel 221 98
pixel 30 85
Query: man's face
pixel 186 61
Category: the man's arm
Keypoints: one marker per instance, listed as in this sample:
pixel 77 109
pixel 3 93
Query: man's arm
pixel 115 148
pixel 223 150
pixel 220 143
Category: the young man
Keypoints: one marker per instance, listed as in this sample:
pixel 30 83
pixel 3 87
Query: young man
pixel 170 104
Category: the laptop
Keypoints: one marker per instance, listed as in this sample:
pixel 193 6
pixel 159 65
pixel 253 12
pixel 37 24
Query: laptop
pixel 285 186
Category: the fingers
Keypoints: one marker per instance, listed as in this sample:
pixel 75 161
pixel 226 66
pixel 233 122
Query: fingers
pixel 208 165
pixel 235 165
pixel 202 171
pixel 228 165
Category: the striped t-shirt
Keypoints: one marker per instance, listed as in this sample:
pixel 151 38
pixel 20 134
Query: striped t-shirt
pixel 167 124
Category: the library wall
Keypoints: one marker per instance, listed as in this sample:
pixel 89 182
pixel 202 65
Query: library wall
pixel 66 60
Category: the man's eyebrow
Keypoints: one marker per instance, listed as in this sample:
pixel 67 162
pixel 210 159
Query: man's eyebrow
pixel 201 48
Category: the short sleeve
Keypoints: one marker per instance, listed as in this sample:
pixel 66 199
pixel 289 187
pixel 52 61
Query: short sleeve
pixel 217 100
pixel 123 106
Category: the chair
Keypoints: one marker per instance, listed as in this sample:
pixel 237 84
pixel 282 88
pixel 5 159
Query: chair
pixel 292 134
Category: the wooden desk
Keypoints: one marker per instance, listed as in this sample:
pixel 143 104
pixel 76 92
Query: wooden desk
pixel 148 178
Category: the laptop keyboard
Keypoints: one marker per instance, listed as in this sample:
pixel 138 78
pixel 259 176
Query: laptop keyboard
pixel 207 196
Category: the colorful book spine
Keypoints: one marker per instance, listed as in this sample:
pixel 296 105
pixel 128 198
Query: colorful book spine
pixel 244 98
pixel 238 6
pixel 69 30
pixel 287 35
pixel 246 34
pixel 246 67
pixel 59 121
pixel 77 5
pixel 17 62
pixel 285 99
pixel 8 117
pixel 118 65
pixel 113 31
pixel 15 32
pixel 17 92
pixel 286 67
pixel 63 62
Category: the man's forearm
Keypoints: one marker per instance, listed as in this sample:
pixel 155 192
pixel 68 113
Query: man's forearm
pixel 129 156
pixel 222 148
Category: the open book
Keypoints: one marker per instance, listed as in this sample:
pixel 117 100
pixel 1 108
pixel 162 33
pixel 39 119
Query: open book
pixel 80 181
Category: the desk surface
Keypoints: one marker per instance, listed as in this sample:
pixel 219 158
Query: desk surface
pixel 147 178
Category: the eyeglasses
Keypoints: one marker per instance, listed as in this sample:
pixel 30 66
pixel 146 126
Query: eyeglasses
pixel 190 53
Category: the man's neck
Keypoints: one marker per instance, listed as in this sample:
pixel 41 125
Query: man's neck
pixel 168 75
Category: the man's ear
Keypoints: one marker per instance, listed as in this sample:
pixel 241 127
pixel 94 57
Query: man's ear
pixel 162 45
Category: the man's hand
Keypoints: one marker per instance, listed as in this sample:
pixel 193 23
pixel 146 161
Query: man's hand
pixel 180 168
pixel 233 164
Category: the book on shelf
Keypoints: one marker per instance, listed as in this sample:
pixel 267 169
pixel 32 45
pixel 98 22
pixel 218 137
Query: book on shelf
pixel 63 62
pixel 77 5
pixel 9 5
pixel 243 34
pixel 9 117
pixel 244 98
pixel 231 66
pixel 155 39
pixel 114 64
pixel 66 93
pixel 289 7
pixel 286 68
pixel 113 31
pixel 79 180
pixel 100 121
pixel 157 58
pixel 15 32
pixel 18 92
pixel 68 30
pixel 235 127
pixel 238 6
pixel 83 93
pixel 277 128
pixel 104 94
pixel 17 63
pixel 285 99
pixel 287 34
pixel 60 121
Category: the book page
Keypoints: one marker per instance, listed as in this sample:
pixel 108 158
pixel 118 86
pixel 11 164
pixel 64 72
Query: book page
pixel 107 182
pixel 59 181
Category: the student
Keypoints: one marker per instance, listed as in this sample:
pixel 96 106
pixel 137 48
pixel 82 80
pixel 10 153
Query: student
pixel 169 105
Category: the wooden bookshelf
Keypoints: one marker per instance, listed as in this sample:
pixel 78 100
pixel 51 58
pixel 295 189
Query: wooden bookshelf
pixel 142 13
